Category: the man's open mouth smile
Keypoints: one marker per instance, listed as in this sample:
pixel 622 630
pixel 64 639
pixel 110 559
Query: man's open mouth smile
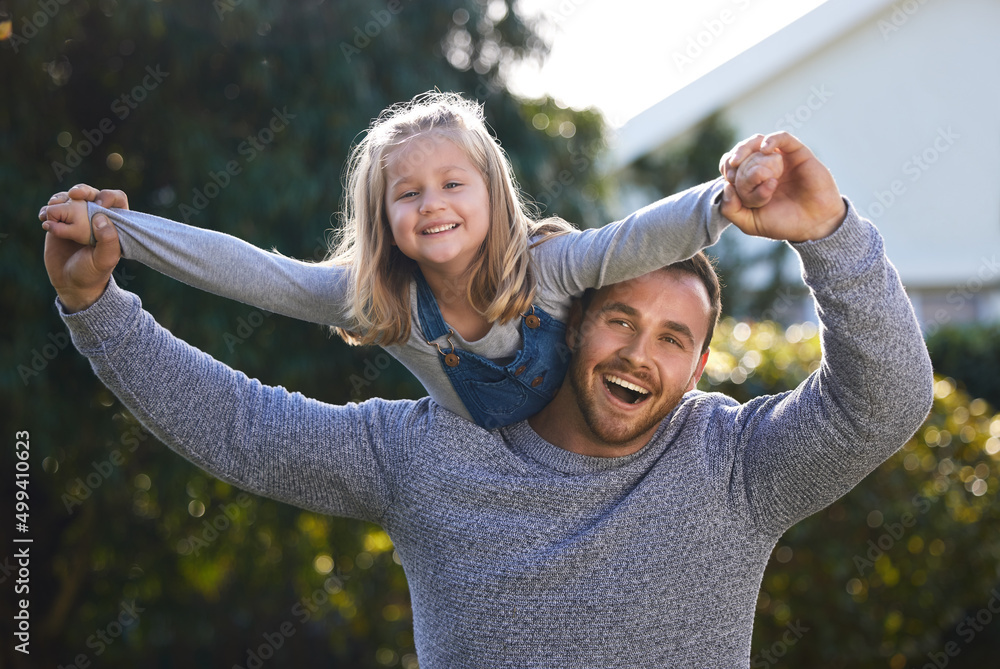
pixel 626 391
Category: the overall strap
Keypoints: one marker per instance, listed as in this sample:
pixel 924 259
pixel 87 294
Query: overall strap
pixel 431 321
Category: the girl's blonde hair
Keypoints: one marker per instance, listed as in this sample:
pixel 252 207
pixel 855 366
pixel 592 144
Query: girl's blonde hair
pixel 501 283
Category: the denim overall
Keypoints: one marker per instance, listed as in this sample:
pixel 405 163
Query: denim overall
pixel 497 395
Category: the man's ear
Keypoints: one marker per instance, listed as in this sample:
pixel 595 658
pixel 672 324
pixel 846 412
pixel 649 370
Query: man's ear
pixel 698 371
pixel 573 323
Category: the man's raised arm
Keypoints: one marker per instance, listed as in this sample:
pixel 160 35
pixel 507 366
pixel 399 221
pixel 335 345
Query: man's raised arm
pixel 799 451
pixel 338 460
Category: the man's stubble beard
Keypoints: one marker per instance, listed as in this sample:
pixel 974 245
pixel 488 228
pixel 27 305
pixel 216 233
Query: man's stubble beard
pixel 620 432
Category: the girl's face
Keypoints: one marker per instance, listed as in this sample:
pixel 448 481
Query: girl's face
pixel 437 204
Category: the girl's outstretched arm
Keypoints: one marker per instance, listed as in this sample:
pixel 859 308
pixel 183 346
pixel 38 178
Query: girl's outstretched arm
pixel 206 259
pixel 662 233
pixel 667 231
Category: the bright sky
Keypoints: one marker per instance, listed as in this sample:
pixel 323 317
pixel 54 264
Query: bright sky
pixel 624 56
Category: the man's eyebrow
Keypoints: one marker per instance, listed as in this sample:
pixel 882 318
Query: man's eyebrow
pixel 680 329
pixel 619 306
pixel 674 326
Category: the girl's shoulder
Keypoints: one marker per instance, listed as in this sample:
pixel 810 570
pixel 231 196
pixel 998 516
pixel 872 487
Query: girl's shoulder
pixel 550 227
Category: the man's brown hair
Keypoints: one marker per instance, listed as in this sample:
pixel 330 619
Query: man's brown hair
pixel 699 265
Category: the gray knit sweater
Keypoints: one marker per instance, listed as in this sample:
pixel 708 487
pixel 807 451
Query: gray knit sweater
pixel 521 554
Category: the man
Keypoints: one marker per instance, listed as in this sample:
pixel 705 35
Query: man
pixel 628 524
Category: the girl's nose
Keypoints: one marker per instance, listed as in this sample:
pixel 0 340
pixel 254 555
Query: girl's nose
pixel 430 202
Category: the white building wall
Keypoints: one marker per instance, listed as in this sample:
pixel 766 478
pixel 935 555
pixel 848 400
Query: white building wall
pixel 905 110
pixel 908 120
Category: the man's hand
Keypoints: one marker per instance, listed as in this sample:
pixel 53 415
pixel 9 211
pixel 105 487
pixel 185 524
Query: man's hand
pixel 804 203
pixel 80 273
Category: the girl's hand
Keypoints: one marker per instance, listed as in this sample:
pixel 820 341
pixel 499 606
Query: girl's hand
pixel 109 199
pixel 69 221
pixel 805 203
pixel 757 179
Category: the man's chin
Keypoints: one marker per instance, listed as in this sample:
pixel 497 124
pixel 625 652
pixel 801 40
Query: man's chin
pixel 618 430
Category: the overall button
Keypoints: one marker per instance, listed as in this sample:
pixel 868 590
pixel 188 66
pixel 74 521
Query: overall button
pixel 537 381
pixel 520 370
pixel 451 360
pixel 532 321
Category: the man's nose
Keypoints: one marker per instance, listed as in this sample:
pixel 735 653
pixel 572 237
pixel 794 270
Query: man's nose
pixel 636 351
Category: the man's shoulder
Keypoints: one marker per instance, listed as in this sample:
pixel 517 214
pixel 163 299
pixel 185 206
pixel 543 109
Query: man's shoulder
pixel 718 410
pixel 700 400
pixel 697 409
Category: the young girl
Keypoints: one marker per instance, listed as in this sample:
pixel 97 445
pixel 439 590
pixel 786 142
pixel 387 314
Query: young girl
pixel 438 260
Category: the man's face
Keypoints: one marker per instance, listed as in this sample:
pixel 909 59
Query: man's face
pixel 637 352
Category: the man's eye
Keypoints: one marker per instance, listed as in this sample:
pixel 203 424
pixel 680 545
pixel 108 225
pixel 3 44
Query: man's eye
pixel 618 321
pixel 673 341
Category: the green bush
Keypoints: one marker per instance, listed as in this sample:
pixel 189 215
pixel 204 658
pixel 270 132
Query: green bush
pixel 970 353
pixel 885 576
